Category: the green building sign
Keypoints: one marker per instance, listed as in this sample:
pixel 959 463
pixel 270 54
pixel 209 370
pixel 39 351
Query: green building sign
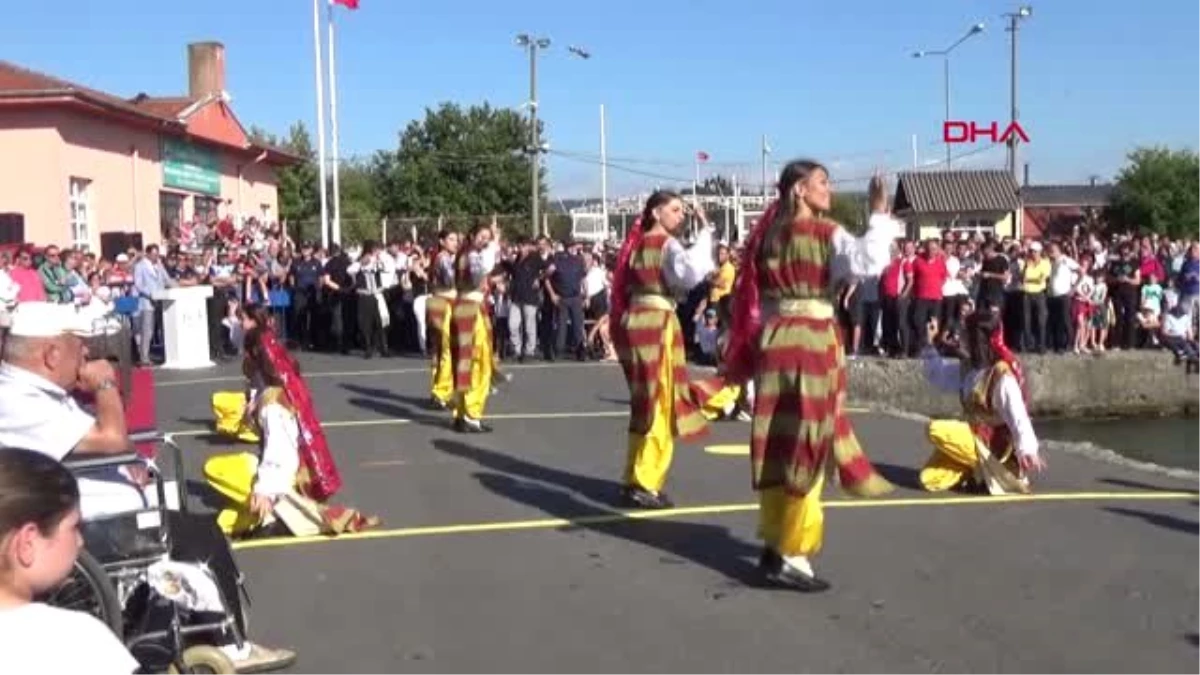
pixel 189 167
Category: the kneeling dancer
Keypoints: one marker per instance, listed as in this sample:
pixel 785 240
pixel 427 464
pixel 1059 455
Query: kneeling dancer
pixel 993 448
pixel 284 489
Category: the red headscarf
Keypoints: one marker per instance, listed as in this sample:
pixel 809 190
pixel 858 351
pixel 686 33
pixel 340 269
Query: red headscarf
pixel 619 298
pixel 325 480
pixel 747 315
pixel 1006 355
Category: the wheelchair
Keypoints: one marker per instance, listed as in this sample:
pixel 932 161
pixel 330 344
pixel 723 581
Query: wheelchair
pixel 119 578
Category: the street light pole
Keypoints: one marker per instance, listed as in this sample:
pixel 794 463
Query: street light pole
pixel 1014 22
pixel 532 45
pixel 945 54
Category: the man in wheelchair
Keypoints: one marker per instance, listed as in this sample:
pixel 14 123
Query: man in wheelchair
pixel 44 360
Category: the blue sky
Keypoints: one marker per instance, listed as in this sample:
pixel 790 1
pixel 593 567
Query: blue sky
pixel 830 80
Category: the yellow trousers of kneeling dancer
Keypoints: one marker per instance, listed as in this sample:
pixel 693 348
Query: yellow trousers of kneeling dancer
pixel 791 525
pixel 649 455
pixel 442 382
pixel 472 403
pixel 232 475
pixel 954 455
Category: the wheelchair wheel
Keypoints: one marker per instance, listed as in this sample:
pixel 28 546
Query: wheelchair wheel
pixel 205 659
pixel 90 590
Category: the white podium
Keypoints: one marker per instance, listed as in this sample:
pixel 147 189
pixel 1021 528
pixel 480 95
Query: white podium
pixel 185 327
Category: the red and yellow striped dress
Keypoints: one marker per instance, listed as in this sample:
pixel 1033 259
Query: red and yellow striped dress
pixel 472 340
pixel 650 328
pixel 799 410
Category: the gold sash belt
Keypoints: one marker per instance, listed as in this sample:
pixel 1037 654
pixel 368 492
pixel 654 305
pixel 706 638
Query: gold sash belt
pixel 806 308
pixel 652 302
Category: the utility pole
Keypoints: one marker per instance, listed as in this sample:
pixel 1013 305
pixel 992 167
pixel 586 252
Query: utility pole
pixel 766 151
pixel 532 45
pixel 1014 24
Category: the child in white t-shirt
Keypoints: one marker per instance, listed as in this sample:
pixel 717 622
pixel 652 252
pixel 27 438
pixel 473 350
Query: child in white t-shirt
pixel 39 540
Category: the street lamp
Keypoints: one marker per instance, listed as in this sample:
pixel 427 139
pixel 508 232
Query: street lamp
pixel 945 54
pixel 533 45
pixel 1014 22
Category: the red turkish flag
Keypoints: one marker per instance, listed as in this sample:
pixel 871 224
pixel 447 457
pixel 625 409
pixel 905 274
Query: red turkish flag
pixel 348 4
pixel 702 156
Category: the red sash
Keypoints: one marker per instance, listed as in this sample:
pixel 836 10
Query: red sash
pixel 325 480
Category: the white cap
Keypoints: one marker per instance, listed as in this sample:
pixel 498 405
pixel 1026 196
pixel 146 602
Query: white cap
pixel 48 319
pixel 121 257
pixel 1036 247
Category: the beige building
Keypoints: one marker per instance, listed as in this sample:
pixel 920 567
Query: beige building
pixel 79 167
pixel 932 202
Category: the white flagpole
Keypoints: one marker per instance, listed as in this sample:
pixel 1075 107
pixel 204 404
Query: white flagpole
pixel 603 173
pixel 320 123
pixel 333 127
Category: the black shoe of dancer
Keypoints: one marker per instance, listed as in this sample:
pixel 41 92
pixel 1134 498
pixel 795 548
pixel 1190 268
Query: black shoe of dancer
pixel 640 498
pixel 778 573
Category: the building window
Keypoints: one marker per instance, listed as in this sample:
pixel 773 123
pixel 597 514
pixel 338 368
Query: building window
pixel 206 211
pixel 170 209
pixel 81 214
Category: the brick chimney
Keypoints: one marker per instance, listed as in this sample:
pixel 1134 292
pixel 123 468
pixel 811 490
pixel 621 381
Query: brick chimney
pixel 206 69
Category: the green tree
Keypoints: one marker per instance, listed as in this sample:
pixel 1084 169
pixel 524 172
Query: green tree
pixel 457 161
pixel 1157 192
pixel 360 203
pixel 299 195
pixel 850 209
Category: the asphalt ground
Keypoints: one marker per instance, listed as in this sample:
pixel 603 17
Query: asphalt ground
pixel 505 552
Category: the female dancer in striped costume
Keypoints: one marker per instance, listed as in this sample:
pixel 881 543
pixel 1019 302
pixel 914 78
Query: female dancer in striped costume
pixel 785 337
pixel 474 366
pixel 652 269
pixel 438 309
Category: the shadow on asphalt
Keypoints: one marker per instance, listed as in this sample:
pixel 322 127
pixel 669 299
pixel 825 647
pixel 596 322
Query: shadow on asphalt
pixel 900 476
pixel 1169 522
pixel 1125 482
pixel 383 401
pixel 710 546
pixel 570 496
pixel 1192 639
pixel 600 491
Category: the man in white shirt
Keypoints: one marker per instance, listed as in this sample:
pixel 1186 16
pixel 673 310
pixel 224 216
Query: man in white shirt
pixel 44 360
pixel 1064 272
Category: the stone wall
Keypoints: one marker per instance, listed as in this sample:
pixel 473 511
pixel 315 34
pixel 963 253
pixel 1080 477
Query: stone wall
pixel 1112 384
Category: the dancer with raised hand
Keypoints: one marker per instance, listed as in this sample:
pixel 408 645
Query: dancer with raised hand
pixel 993 449
pixel 474 365
pixel 438 310
pixel 653 268
pixel 785 337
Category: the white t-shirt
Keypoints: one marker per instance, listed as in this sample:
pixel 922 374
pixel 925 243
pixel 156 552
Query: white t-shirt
pixel 595 281
pixel 1062 276
pixel 953 286
pixel 44 639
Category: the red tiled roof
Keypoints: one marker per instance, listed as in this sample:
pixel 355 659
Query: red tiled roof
pixel 168 107
pixel 23 85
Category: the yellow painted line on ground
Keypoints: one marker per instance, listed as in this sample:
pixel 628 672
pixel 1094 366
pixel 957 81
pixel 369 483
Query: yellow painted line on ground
pixel 713 509
pixel 393 421
pixel 394 371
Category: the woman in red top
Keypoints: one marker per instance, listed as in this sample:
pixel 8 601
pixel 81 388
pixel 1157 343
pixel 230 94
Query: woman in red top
pixel 929 276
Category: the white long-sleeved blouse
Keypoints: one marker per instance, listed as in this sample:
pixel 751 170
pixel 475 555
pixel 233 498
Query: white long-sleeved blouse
pixel 280 458
pixel 685 268
pixel 865 256
pixel 1008 402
